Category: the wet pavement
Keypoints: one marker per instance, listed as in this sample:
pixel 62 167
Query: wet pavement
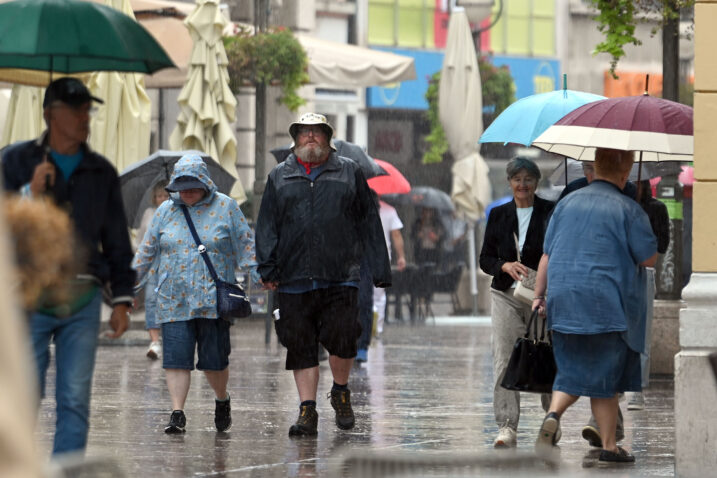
pixel 422 403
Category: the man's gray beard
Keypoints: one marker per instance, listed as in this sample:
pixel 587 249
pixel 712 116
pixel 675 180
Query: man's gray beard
pixel 312 154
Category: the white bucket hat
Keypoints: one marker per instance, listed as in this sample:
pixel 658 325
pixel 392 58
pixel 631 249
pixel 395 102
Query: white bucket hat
pixel 309 119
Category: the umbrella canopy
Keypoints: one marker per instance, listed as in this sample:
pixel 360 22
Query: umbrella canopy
pixel 529 117
pixel 460 97
pixel 208 106
pixel 23 120
pixel 71 36
pixel 423 196
pixel 335 63
pixel 138 180
pixel 471 191
pixel 343 148
pixel 392 183
pixel 121 127
pixel 660 129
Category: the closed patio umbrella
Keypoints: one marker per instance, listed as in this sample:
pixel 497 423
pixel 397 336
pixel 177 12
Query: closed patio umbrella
pixel 120 129
pixel 208 106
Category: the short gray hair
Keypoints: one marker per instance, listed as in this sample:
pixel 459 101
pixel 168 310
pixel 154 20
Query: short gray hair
pixel 520 163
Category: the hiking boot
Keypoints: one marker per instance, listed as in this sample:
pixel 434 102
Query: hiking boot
pixel 341 401
pixel 507 438
pixel 177 422
pixel 307 422
pixel 548 431
pixel 155 350
pixel 223 415
pixel 636 401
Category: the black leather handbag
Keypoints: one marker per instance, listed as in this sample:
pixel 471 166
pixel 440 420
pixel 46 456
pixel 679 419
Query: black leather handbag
pixel 232 302
pixel 532 366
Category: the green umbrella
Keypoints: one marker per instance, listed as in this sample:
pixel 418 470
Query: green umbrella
pixel 73 36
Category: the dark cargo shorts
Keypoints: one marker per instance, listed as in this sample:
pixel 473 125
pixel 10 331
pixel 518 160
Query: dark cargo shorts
pixel 327 316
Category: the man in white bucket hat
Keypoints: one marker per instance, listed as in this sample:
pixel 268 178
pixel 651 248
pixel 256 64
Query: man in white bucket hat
pixel 316 222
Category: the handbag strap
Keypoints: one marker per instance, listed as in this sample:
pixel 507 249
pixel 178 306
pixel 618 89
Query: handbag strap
pixel 200 247
pixel 533 321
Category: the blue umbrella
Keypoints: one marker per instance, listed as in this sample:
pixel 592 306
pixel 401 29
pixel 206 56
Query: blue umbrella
pixel 527 118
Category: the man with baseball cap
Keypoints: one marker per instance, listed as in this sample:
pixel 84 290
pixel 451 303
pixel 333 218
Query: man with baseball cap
pixel 316 222
pixel 61 167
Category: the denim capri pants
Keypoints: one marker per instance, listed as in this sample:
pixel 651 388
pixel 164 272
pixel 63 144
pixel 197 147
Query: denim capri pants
pixel 210 337
pixel 597 366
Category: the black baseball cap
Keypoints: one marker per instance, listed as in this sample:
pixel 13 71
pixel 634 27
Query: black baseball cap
pixel 70 91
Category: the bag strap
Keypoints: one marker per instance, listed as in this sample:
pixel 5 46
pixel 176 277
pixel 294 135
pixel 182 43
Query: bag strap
pixel 200 247
pixel 517 246
pixel 533 321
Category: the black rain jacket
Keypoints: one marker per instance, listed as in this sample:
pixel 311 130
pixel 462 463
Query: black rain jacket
pixel 319 230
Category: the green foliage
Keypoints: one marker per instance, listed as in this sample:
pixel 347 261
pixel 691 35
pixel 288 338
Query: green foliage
pixel 617 19
pixel 498 92
pixel 436 139
pixel 271 57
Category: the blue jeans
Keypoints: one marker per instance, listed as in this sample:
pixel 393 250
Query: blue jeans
pixel 150 304
pixel 75 340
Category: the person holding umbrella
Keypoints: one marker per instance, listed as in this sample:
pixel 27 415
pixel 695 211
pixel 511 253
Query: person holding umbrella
pixel 186 296
pixel 596 239
pixel 513 243
pixel 60 166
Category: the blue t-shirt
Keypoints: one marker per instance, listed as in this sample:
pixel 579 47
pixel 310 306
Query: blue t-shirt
pixel 596 239
pixel 67 162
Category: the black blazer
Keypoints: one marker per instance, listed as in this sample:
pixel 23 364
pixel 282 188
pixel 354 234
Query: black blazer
pixel 499 244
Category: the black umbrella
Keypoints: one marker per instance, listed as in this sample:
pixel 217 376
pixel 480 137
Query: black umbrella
pixel 423 196
pixel 138 180
pixel 348 150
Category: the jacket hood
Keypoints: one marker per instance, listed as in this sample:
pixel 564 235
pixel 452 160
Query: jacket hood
pixel 192 165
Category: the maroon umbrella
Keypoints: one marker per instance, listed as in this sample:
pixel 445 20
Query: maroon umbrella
pixel 660 129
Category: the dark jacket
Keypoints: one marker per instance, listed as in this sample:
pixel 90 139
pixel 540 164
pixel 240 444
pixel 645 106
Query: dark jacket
pixel 499 243
pixel 92 198
pixel 319 230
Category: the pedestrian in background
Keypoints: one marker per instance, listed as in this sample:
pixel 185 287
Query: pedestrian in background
pixel 428 235
pixel 154 351
pixel 316 222
pixel 522 220
pixel 596 239
pixel 186 294
pixel 392 225
pixel 61 167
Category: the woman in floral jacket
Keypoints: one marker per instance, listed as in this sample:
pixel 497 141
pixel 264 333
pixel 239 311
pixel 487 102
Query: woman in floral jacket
pixel 186 295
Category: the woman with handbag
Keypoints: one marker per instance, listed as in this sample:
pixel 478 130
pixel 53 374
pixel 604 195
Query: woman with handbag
pixel 186 290
pixel 596 241
pixel 512 247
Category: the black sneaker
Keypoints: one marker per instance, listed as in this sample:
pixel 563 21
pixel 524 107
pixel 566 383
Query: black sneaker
pixel 223 415
pixel 177 422
pixel 341 401
pixel 611 458
pixel 307 422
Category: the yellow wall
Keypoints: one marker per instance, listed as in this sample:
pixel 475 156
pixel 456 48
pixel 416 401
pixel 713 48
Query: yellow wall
pixel 704 225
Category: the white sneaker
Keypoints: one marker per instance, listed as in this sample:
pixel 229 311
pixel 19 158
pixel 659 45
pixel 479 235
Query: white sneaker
pixel 507 438
pixel 636 401
pixel 154 350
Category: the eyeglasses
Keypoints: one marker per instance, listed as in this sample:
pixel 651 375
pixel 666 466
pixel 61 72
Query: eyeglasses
pixel 315 130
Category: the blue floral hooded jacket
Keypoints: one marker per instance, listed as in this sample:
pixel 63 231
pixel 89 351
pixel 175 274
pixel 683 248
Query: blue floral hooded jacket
pixel 185 289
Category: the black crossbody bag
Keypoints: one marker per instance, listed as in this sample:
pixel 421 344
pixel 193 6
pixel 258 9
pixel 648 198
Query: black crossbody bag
pixel 232 302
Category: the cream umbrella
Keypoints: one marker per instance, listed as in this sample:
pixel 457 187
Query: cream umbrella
pixel 207 104
pixel 460 109
pixel 120 129
pixel 23 119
